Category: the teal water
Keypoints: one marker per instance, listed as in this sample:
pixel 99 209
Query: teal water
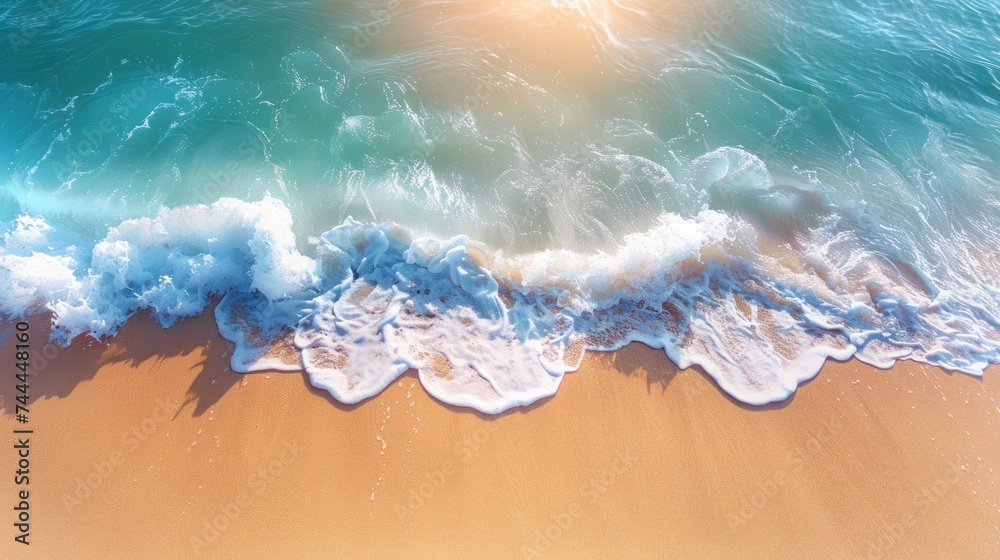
pixel 787 181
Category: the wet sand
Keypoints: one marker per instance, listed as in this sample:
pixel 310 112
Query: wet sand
pixel 150 448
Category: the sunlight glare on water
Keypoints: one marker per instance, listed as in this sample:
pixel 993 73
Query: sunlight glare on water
pixel 753 187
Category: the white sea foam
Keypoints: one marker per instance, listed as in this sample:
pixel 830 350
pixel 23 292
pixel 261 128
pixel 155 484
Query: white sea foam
pixel 170 265
pixel 492 331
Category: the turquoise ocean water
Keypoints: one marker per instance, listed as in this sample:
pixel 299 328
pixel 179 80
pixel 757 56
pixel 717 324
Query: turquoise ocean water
pixel 484 190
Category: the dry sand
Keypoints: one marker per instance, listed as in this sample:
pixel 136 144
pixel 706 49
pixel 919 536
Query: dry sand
pixel 142 445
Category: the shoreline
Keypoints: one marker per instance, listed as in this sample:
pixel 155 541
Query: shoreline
pixel 148 446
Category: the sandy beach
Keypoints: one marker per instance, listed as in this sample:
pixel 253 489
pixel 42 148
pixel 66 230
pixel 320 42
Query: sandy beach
pixel 488 193
pixel 148 447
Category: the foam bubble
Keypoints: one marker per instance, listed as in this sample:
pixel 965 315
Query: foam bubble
pixel 171 265
pixel 492 332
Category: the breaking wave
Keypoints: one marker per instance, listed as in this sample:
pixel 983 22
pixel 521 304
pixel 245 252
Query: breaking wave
pixel 492 331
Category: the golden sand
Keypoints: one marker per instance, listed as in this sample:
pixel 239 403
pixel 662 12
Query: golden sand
pixel 150 448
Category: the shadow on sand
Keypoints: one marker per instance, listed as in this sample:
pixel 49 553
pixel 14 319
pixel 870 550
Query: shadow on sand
pixel 640 360
pixel 57 371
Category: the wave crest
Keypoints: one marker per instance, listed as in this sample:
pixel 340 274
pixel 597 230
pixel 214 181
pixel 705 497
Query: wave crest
pixel 490 331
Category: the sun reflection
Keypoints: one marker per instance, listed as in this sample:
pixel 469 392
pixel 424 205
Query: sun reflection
pixel 582 7
pixel 581 44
